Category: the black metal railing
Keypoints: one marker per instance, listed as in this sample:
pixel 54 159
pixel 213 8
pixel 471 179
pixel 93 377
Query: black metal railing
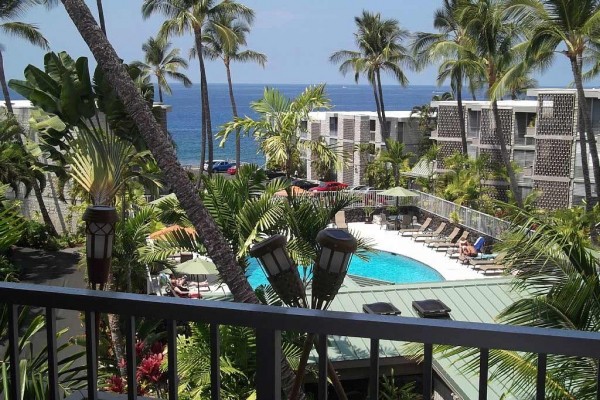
pixel 269 322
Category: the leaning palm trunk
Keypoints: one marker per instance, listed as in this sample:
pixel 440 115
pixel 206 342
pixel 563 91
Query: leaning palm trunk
pixel 385 134
pixel 505 157
pixel 587 123
pixel 36 187
pixel 238 154
pixel 210 235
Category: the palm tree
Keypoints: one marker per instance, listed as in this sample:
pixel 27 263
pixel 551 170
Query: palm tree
pixel 219 46
pixel 556 269
pixel 572 23
pixel 194 16
pixel 8 11
pixel 163 64
pixel 394 154
pixel 494 33
pixel 217 247
pixel 380 49
pixel 15 161
pixel 280 124
pixel 454 48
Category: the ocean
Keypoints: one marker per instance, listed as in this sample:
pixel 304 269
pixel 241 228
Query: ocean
pixel 184 119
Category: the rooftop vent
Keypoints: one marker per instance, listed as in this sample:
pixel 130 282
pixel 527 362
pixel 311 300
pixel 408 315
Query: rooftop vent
pixel 381 309
pixel 431 309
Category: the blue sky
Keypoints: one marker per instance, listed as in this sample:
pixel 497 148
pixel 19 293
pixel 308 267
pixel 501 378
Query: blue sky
pixel 297 36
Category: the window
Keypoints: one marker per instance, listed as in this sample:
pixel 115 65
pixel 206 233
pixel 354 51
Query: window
pixel 303 125
pixel 372 125
pixel 400 131
pixel 333 125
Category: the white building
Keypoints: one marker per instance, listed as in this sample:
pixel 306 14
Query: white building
pixel 348 129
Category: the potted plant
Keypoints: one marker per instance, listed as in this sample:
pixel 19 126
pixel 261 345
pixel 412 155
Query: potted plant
pixel 369 214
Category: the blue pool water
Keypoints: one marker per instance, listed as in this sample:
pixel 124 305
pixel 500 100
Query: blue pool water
pixel 382 265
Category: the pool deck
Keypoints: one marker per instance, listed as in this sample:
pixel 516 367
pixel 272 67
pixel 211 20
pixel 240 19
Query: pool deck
pixel 391 242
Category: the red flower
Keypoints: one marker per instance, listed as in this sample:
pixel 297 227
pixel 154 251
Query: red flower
pixel 116 384
pixel 149 368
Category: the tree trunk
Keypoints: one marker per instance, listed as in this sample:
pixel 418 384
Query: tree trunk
pixel 461 117
pixel 238 150
pixel 384 128
pixel 378 106
pixel 160 94
pixel 211 237
pixel 587 185
pixel 198 41
pixel 505 157
pixel 205 103
pixel 101 16
pixel 587 122
pixel 37 190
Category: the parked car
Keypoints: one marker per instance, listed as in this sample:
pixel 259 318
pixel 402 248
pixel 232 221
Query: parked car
pixel 304 184
pixel 232 170
pixel 272 174
pixel 215 162
pixel 222 166
pixel 329 187
pixel 361 189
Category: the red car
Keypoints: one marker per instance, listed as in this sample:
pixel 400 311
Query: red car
pixel 329 187
pixel 232 170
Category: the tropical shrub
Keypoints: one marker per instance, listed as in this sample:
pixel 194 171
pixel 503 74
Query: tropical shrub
pixel 33 363
pixel 36 235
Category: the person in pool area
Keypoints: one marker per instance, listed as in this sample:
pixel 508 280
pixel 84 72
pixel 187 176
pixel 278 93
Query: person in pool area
pixel 181 288
pixel 467 249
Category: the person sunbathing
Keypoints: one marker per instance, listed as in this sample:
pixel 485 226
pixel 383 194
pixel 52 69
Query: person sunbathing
pixel 467 249
pixel 181 289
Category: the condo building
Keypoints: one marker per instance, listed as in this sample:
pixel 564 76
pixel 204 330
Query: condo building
pixel 541 135
pixel 346 130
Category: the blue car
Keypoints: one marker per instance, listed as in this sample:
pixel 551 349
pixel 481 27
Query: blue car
pixel 222 166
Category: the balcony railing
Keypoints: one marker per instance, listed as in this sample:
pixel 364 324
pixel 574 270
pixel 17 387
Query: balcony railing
pixel 269 322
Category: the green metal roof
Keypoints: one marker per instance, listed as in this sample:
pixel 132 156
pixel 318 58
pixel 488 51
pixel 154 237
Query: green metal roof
pixel 472 301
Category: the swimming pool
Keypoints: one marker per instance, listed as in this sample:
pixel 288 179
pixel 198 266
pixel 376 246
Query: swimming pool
pixel 382 266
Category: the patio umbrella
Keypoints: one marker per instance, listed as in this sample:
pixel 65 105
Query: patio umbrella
pixel 162 232
pixel 399 192
pixel 197 266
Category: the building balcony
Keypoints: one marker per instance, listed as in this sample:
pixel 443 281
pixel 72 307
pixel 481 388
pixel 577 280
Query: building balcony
pixel 269 322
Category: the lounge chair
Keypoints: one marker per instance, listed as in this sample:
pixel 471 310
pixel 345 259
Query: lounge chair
pixel 450 244
pixel 450 238
pixel 340 220
pixel 499 268
pixel 421 237
pixel 411 231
